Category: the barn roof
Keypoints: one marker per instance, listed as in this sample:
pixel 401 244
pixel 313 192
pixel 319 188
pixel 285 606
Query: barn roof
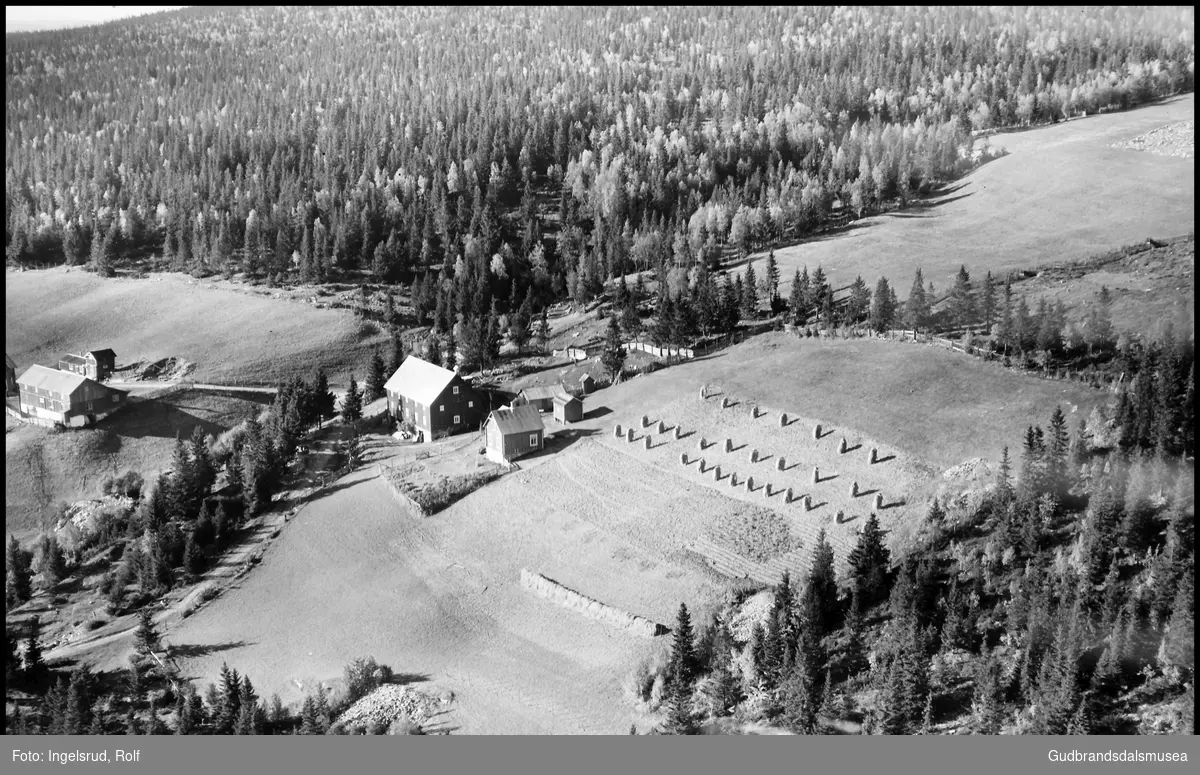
pixel 419 380
pixel 563 399
pixel 106 353
pixel 521 419
pixel 46 378
pixel 539 392
pixel 72 358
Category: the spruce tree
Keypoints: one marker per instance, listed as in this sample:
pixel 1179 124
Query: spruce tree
pixel 869 563
pixel 916 310
pixel 352 402
pixel 613 357
pixel 797 305
pixel 229 701
pixel 541 332
pixel 681 720
pixel 17 565
pixel 35 669
pixel 147 637
pixel 683 654
pixel 376 377
pixel 749 300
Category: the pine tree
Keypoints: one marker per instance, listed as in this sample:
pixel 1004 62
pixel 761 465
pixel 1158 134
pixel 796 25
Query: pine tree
pixel 323 400
pixel 376 377
pixel 352 402
pixel 819 602
pixel 613 357
pixel 936 515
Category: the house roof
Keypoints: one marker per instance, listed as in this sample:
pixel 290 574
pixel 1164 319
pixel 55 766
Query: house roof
pixel 73 359
pixel 566 398
pixel 419 380
pixel 46 378
pixel 107 353
pixel 539 392
pixel 522 419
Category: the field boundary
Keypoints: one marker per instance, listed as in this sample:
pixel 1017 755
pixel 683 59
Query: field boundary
pixel 397 493
pixel 593 609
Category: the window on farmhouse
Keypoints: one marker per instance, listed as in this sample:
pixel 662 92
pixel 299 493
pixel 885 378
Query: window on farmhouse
pixel 457 419
pixel 470 404
pixel 456 390
pixel 533 440
pixel 441 407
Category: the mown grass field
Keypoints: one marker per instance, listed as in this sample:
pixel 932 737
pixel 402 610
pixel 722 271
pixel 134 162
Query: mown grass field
pixel 227 335
pixel 44 468
pixel 938 406
pixel 1062 192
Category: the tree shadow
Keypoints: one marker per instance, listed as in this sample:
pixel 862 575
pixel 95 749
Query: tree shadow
pixel 156 418
pixel 561 440
pixel 196 650
pixel 404 679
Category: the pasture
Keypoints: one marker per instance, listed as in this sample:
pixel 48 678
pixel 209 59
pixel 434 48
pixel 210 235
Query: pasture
pixel 1062 192
pixel 227 335
pixel 46 468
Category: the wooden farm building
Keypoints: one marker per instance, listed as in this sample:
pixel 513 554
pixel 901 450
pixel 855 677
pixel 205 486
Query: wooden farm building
pixel 93 364
pixel 10 375
pixel 540 397
pixel 567 408
pixel 62 397
pixel 436 401
pixel 513 432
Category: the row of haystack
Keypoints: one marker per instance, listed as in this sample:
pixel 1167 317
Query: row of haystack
pixel 594 609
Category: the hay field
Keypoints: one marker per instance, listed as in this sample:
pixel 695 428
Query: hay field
pixel 45 468
pixel 228 335
pixel 938 406
pixel 1063 192
pixel 897 478
pixel 354 574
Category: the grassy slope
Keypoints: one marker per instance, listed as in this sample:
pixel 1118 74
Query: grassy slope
pixel 1061 193
pixel 1148 289
pixel 228 335
pixel 44 468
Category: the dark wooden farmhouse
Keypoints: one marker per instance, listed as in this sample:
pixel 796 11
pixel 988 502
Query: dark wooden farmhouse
pixel 62 397
pixel 436 401
pixel 567 408
pixel 93 364
pixel 513 432
pixel 10 375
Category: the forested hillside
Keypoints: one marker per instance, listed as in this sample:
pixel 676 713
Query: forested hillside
pixel 536 148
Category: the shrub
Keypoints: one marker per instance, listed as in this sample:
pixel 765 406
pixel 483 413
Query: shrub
pixel 362 676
